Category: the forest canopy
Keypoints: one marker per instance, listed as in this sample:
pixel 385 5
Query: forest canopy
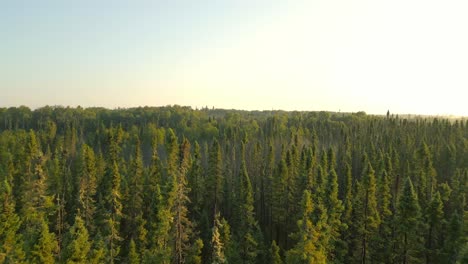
pixel 180 185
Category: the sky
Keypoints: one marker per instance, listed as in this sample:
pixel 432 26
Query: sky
pixel 406 56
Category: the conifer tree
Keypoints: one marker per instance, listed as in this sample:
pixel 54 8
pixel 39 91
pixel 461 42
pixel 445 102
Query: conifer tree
pixel 217 245
pixel 368 218
pixel 408 224
pixel 133 256
pixel 135 229
pixel 383 241
pixel 248 227
pixel 87 184
pixel 78 246
pixel 46 246
pixel 334 208
pixel 111 198
pixel 11 250
pixel 275 257
pixel 183 227
pixel 435 224
pixel 214 181
pixel 308 248
pixel 196 181
pixel 279 203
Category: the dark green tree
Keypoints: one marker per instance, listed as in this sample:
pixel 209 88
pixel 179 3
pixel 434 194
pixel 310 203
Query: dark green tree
pixel 408 222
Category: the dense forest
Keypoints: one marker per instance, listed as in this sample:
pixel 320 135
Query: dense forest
pixel 178 185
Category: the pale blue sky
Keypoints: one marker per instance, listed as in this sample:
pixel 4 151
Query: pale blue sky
pixel 409 56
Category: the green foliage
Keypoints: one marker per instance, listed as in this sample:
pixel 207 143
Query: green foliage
pixel 78 244
pixel 275 257
pixel 126 186
pixel 45 249
pixel 217 245
pixel 308 248
pixel 11 250
pixel 248 227
pixel 408 224
pixel 133 256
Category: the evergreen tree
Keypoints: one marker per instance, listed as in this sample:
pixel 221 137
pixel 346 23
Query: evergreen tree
pixel 248 228
pixel 196 181
pixel 217 246
pixel 275 257
pixel 77 242
pixel 308 248
pixel 214 181
pixel 334 208
pixel 87 186
pixel 182 228
pixel 111 198
pixel 435 221
pixel 11 250
pixel 367 219
pixel 408 224
pixel 384 240
pixel 135 229
pixel 133 256
pixel 279 196
pixel 195 255
pixel 46 247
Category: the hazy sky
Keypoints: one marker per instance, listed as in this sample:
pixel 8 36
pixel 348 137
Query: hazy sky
pixel 404 55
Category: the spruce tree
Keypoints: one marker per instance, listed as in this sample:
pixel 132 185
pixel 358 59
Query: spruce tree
pixel 134 228
pixel 275 257
pixel 248 227
pixel 133 255
pixel 217 245
pixel 182 226
pixel 214 181
pixel 334 208
pixel 46 247
pixel 308 248
pixel 11 250
pixel 434 235
pixel 78 245
pixel 87 184
pixel 367 216
pixel 408 224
